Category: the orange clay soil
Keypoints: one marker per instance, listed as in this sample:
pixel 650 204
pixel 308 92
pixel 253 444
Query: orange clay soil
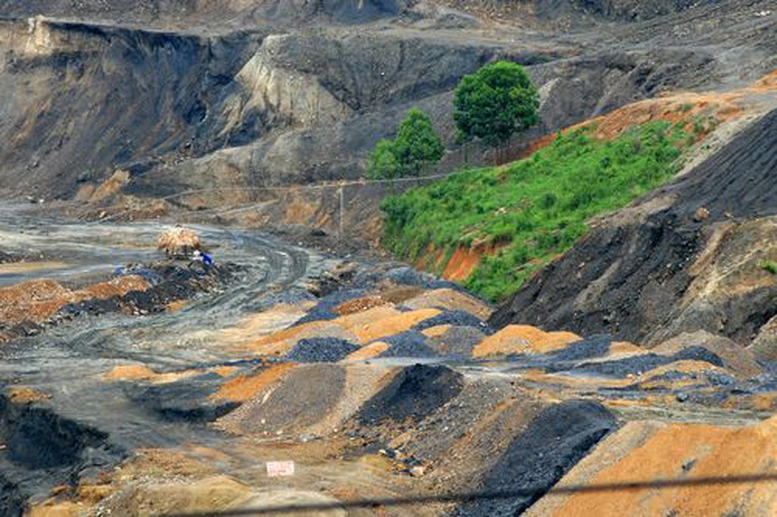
pixel 245 387
pixel 517 339
pixel 23 395
pixel 462 263
pixel 369 351
pixel 437 331
pixel 143 373
pixel 376 328
pixel 38 300
pixel 687 451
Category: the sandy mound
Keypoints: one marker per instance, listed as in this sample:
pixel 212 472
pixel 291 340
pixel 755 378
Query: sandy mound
pixel 523 339
pixel 450 299
pixel 138 372
pixel 369 351
pixel 736 359
pixel 177 497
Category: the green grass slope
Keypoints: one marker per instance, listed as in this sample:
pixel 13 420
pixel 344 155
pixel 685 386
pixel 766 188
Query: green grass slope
pixel 534 209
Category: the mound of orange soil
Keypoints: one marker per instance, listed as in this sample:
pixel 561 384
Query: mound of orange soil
pixel 522 339
pixel 369 329
pixel 369 351
pixel 138 372
pixel 649 452
pixel 38 300
pixel 245 387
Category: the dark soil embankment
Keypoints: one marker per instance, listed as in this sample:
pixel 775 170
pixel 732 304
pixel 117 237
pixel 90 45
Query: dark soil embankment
pixel 629 276
pixel 540 455
pixel 42 448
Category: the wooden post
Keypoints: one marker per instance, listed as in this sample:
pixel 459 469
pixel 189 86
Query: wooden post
pixel 340 233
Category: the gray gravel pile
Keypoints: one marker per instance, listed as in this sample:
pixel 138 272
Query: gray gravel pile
pixel 409 276
pixel 321 350
pixel 408 344
pixel 280 411
pixel 457 342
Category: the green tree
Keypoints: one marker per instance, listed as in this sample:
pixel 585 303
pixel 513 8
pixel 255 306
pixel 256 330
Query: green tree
pixel 410 154
pixel 495 102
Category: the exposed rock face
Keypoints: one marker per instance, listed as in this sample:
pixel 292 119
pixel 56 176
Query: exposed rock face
pixel 246 93
pixel 653 271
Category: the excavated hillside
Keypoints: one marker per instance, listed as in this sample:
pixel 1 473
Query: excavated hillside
pixel 222 96
pixel 634 375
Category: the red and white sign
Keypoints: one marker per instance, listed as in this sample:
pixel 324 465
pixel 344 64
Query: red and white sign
pixel 277 469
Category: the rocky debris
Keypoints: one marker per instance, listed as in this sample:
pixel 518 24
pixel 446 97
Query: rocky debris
pixel 28 308
pixel 596 346
pixel 414 392
pixel 187 400
pixel 409 276
pixel 333 280
pixel 38 300
pixel 450 299
pixel 6 258
pixel 325 309
pixel 764 346
pixel 42 448
pixel 321 350
pixel 455 341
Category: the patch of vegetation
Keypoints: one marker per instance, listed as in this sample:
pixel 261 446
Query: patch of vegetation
pixel 685 107
pixel 534 209
pixel 770 266
pixel 415 148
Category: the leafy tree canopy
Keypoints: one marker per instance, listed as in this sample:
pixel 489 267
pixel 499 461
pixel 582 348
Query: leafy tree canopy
pixel 495 102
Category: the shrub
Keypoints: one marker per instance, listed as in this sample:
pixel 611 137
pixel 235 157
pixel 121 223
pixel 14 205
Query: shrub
pixel 410 154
